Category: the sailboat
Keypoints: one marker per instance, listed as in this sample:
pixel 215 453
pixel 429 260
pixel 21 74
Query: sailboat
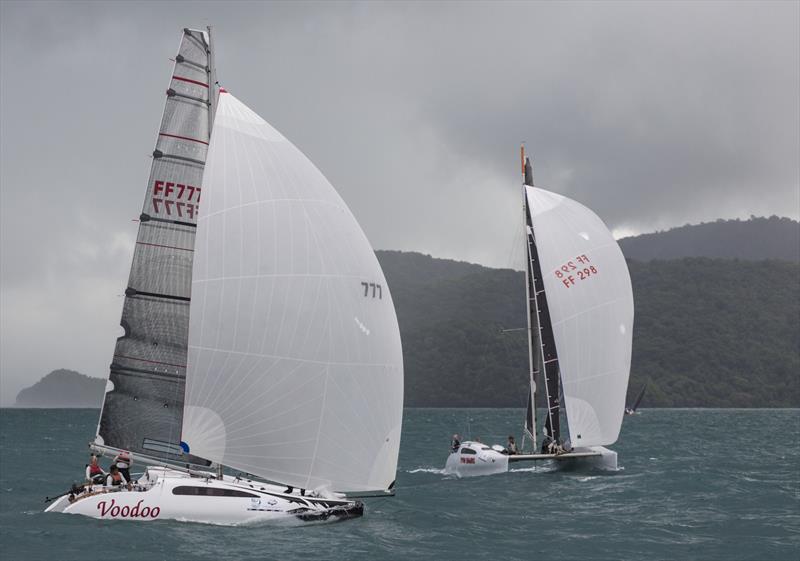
pixel 579 306
pixel 632 409
pixel 260 373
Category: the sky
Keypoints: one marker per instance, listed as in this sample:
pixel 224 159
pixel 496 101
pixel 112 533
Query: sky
pixel 652 114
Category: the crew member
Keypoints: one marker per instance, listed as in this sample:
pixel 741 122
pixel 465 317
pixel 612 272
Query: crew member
pixel 94 473
pixel 123 462
pixel 116 479
pixel 511 447
pixel 455 443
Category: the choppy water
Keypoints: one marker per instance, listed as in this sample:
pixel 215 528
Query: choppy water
pixel 696 484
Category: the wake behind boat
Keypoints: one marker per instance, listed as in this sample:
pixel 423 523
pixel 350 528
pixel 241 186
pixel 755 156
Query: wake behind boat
pixel 579 305
pixel 259 334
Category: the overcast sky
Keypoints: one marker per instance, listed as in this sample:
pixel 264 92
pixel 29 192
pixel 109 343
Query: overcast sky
pixel 653 114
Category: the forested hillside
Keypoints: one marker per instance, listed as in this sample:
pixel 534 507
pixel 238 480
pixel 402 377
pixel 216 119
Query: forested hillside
pixel 708 332
pixel 753 240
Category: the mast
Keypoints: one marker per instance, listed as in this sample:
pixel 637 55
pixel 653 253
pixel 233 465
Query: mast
pixel 541 335
pixel 530 413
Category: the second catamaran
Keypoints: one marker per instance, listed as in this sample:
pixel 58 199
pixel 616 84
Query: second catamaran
pixel 580 322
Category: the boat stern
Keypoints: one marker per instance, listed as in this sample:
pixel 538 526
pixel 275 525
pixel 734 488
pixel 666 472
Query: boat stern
pixel 475 458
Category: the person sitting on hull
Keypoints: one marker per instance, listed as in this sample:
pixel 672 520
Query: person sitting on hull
pixel 511 447
pixel 116 479
pixel 289 490
pixel 94 473
pixel 455 443
pixel 549 445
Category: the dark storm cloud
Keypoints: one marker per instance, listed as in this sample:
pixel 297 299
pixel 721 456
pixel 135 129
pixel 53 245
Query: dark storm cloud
pixel 653 114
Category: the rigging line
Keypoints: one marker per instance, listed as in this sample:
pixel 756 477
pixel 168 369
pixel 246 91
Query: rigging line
pixel 319 427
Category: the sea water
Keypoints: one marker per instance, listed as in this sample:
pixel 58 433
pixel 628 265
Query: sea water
pixel 693 484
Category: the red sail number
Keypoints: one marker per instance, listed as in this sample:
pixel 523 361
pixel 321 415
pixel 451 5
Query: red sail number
pixel 569 273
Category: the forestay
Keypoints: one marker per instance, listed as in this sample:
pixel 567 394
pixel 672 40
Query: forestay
pixel 591 309
pixel 143 405
pixel 295 367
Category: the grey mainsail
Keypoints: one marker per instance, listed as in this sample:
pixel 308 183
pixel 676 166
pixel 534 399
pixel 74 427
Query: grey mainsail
pixel 143 407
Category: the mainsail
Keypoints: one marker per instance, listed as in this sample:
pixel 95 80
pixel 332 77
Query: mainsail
pixel 143 403
pixel 295 364
pixel 591 312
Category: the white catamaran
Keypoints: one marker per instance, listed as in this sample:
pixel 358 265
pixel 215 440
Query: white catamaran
pixel 259 332
pixel 580 323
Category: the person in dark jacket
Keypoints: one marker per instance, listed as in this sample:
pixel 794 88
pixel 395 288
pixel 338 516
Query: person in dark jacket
pixel 511 447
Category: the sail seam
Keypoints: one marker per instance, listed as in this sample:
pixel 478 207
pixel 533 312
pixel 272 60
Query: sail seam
pixel 150 361
pixel 269 201
pixel 165 246
pixel 183 138
pixel 297 359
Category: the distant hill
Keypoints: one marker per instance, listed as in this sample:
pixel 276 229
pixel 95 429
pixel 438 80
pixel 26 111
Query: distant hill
pixel 751 240
pixel 63 388
pixel 708 332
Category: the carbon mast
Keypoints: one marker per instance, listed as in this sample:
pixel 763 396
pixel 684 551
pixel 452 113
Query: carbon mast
pixel 543 357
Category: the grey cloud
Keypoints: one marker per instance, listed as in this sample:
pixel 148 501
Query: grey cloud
pixel 653 114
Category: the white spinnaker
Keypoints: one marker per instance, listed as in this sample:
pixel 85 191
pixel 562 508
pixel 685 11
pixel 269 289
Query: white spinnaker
pixel 591 314
pixel 295 369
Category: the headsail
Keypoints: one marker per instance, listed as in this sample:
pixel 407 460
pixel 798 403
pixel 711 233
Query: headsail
pixel 143 405
pixel 295 363
pixel 591 309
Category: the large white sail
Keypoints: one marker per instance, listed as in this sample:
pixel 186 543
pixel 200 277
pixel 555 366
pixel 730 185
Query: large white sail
pixel 295 369
pixel 591 309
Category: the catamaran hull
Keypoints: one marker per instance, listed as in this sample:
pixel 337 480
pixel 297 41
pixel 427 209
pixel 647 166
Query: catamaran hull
pixel 490 462
pixel 172 495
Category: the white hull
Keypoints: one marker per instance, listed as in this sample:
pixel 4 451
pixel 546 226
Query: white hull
pixel 486 461
pixel 167 494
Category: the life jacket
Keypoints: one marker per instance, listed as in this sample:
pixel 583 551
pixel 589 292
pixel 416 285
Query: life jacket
pixel 118 480
pixel 95 469
pixel 123 460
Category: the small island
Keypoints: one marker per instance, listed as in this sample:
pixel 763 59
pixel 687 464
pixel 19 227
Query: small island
pixel 63 389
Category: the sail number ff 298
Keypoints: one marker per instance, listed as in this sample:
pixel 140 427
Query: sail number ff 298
pixel 569 273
